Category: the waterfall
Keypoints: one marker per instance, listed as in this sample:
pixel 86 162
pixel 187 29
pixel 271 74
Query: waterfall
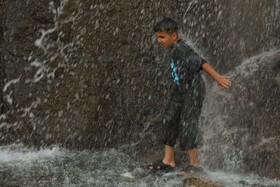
pixel 232 120
pixel 83 89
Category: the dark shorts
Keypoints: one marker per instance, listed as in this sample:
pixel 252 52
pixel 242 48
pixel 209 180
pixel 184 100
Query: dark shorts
pixel 180 120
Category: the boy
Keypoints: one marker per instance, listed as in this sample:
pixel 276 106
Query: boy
pixel 183 110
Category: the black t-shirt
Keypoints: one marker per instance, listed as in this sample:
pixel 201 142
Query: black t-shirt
pixel 185 65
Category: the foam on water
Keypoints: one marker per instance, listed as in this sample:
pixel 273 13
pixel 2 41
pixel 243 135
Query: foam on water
pixel 19 153
pixel 55 166
pixel 60 167
pixel 233 179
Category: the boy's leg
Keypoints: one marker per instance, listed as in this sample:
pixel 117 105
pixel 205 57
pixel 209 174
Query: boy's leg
pixel 170 127
pixel 191 111
pixel 168 161
pixel 193 157
pixel 169 156
pixel 194 165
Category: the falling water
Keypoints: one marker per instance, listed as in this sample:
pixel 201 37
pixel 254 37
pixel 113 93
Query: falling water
pixel 22 166
pixel 219 112
pixel 68 102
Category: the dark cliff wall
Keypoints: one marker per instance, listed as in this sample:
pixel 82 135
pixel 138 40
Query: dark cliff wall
pixel 230 32
pixel 88 74
pixel 2 64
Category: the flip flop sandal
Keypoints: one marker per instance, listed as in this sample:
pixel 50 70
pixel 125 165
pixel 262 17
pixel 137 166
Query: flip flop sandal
pixel 160 166
pixel 192 169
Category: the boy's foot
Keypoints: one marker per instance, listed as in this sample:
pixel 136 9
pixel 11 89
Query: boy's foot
pixel 160 166
pixel 192 169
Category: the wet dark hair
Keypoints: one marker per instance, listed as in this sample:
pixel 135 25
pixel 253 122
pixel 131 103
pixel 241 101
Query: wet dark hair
pixel 166 25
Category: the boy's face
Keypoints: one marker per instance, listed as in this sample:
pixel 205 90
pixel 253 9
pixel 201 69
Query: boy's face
pixel 166 39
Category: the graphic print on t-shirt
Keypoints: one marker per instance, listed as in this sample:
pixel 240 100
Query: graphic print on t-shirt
pixel 174 72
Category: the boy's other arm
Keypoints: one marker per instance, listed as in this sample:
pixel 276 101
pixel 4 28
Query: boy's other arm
pixel 222 81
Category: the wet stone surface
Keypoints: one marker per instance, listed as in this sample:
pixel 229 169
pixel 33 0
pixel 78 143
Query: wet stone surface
pixel 89 75
pixel 21 166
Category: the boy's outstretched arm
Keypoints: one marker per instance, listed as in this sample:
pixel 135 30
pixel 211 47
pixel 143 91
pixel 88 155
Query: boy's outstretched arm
pixel 222 81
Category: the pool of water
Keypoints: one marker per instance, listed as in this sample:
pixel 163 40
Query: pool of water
pixel 22 166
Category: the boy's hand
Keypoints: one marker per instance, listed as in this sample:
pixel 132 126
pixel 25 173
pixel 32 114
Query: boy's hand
pixel 223 82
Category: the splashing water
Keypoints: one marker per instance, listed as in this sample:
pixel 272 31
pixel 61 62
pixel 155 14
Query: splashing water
pixel 22 166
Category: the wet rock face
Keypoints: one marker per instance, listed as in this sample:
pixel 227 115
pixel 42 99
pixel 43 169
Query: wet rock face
pixel 243 122
pixel 74 73
pixel 263 138
pixel 196 181
pixel 88 74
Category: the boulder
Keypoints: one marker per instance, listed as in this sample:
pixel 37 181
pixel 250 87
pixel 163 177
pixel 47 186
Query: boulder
pixel 240 125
